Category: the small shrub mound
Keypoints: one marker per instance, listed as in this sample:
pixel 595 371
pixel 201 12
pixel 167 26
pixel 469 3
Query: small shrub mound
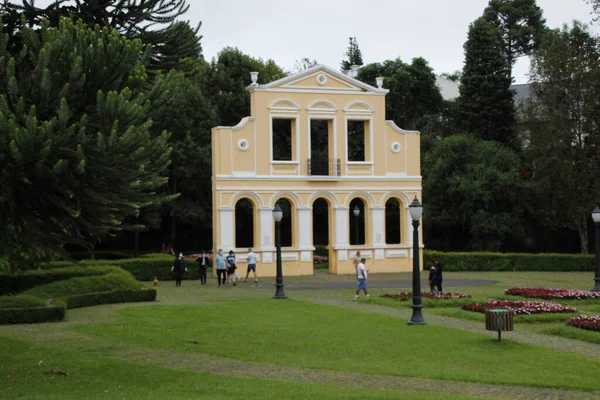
pixel 564 294
pixel 520 307
pixel 585 322
pixel 428 295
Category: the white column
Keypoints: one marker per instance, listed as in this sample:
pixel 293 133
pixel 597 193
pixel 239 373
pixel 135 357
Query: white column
pixel 378 224
pixel 265 233
pixel 226 228
pixel 341 226
pixel 303 229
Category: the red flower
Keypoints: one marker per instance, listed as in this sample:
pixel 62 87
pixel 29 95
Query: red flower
pixel 520 307
pixel 542 293
pixel 585 322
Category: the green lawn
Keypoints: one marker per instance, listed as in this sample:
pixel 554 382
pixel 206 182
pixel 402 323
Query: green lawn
pixel 316 336
pixel 29 372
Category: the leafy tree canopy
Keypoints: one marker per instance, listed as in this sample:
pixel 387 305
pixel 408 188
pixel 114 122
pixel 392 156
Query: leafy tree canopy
pixel 76 152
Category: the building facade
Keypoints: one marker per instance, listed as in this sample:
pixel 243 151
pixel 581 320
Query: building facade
pixel 316 143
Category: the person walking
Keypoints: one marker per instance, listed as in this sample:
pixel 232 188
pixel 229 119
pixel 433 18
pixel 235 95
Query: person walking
pixel 221 263
pixel 178 267
pixel 431 278
pixel 438 276
pixel 251 266
pixel 202 263
pixel 361 276
pixel 231 267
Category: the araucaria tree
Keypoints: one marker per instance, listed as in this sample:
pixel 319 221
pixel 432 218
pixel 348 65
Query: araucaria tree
pixel 354 55
pixel 486 104
pixel 565 136
pixel 521 25
pixel 76 154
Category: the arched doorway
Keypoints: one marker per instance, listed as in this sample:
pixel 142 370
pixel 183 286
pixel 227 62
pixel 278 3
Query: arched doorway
pixel 321 234
pixel 357 220
pixel 244 224
pixel 287 222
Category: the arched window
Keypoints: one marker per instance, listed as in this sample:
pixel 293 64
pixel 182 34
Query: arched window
pixel 357 222
pixel 392 222
pixel 286 222
pixel 244 224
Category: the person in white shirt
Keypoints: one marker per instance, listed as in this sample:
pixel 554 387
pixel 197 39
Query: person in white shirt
pixel 361 276
pixel 251 266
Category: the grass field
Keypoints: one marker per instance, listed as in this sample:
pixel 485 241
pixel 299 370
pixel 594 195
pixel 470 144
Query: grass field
pixel 204 342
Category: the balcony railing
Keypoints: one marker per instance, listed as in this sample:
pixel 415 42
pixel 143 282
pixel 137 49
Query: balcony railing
pixel 324 167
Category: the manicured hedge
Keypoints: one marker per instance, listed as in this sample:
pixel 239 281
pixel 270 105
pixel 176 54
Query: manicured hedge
pixel 143 269
pixel 113 296
pixel 22 301
pixel 89 284
pixel 482 261
pixel 31 315
pixel 17 283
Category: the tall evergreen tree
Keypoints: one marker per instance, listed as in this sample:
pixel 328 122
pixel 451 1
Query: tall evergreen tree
pixel 76 152
pixel 521 25
pixel 486 104
pixel 565 134
pixel 354 55
pixel 153 21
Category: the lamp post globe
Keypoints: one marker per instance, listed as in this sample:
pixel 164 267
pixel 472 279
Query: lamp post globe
pixel 277 216
pixel 596 219
pixel 356 212
pixel 416 211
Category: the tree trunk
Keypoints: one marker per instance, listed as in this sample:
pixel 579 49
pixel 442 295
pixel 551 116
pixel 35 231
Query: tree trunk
pixel 583 236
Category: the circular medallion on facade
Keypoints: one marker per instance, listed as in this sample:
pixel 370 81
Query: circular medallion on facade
pixel 396 147
pixel 321 79
pixel 243 145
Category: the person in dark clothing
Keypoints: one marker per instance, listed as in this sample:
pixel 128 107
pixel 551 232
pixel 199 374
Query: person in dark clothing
pixel 178 268
pixel 202 263
pixel 438 276
pixel 431 278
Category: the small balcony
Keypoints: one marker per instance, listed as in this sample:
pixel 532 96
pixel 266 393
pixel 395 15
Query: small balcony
pixel 324 168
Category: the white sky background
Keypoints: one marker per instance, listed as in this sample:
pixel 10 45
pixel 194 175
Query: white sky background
pixel 287 31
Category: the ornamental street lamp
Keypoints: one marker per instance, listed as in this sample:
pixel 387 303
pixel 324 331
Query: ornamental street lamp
pixel 596 218
pixel 277 215
pixel 356 213
pixel 136 249
pixel 416 210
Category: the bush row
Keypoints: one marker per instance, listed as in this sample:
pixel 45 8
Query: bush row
pixel 143 269
pixel 32 315
pixel 113 296
pixel 482 261
pixel 17 283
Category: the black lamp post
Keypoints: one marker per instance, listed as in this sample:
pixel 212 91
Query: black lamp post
pixel 356 213
pixel 277 215
pixel 596 218
pixel 416 210
pixel 136 249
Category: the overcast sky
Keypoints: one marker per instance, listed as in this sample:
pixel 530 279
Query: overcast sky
pixel 287 30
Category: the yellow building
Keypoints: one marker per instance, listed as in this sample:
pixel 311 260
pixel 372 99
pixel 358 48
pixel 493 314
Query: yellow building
pixel 317 143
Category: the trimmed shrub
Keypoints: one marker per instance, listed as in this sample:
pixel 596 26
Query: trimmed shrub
pixel 143 269
pixel 484 261
pixel 22 301
pixel 321 250
pixel 89 284
pixel 31 315
pixel 110 297
pixel 17 283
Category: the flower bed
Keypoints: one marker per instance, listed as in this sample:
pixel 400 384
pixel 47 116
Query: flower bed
pixel 429 295
pixel 585 322
pixel 520 307
pixel 542 293
pixel 320 259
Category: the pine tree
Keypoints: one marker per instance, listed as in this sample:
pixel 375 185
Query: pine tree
pixel 76 152
pixel 153 21
pixel 521 24
pixel 486 104
pixel 354 55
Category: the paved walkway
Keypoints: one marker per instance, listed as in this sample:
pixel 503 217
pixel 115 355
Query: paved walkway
pixel 376 284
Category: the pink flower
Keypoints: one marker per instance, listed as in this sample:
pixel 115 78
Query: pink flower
pixel 520 307
pixel 585 322
pixel 542 293
pixel 429 295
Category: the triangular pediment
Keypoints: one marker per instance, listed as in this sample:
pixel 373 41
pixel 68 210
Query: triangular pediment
pixel 320 78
